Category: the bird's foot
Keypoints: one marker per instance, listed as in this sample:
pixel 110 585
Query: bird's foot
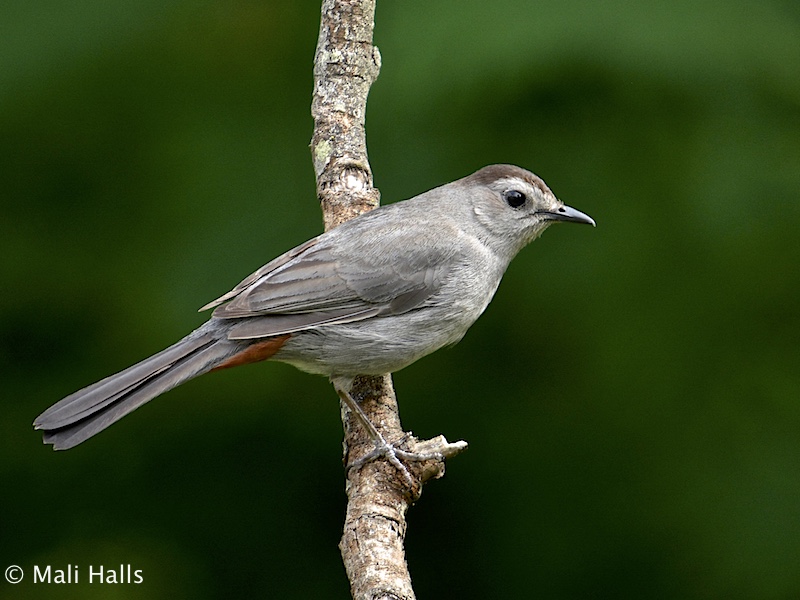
pixel 394 454
pixel 437 449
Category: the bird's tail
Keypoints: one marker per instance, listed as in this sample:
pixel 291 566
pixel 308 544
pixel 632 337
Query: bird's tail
pixel 85 413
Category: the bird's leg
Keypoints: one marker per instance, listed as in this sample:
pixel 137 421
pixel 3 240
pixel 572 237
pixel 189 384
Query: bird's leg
pixel 383 448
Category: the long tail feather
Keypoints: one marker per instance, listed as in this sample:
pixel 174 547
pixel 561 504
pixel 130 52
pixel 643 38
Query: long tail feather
pixel 85 413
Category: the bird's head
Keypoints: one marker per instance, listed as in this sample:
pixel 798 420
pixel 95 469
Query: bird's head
pixel 514 206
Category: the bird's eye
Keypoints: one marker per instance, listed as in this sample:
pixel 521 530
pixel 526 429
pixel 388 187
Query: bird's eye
pixel 514 198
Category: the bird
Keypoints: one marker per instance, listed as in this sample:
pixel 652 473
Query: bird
pixel 368 297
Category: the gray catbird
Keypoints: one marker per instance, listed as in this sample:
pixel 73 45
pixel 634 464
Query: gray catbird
pixel 369 297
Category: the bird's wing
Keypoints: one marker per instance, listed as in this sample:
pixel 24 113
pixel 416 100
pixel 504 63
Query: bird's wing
pixel 263 271
pixel 384 268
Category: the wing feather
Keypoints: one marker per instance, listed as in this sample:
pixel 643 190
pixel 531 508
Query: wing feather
pixel 385 268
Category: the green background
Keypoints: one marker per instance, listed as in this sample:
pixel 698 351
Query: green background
pixel 631 397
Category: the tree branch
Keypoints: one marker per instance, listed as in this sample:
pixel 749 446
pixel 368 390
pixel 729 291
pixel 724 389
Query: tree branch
pixel 345 66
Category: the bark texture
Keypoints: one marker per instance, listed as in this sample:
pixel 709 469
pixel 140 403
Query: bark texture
pixel 345 66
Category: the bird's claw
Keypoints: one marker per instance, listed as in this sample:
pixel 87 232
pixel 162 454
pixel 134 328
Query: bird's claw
pixel 393 454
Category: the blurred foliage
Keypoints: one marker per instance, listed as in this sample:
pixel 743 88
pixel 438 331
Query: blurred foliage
pixel 631 397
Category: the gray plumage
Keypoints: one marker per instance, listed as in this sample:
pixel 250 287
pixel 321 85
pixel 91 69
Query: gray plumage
pixel 369 297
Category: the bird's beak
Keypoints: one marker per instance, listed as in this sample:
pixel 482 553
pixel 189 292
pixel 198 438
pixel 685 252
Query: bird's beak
pixel 569 214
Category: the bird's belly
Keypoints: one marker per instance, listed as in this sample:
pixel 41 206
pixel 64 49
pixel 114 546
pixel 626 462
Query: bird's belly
pixel 374 346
